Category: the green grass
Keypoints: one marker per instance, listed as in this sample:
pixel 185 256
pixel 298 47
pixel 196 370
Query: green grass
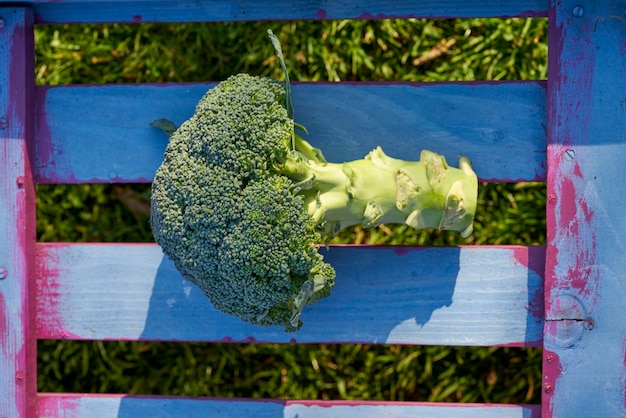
pixel 322 371
pixel 413 50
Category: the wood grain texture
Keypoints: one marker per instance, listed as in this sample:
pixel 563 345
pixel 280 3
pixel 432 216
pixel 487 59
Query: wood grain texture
pixel 585 330
pixel 102 133
pixel 468 296
pixel 18 359
pixel 120 406
pixel 97 11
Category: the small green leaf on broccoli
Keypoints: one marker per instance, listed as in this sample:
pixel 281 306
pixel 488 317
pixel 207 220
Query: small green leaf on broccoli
pixel 167 126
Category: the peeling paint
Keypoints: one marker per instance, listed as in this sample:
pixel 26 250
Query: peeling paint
pixel 50 323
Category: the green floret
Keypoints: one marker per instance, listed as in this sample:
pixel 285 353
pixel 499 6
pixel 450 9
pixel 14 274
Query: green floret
pixel 269 256
pixel 241 202
pixel 247 125
pixel 192 206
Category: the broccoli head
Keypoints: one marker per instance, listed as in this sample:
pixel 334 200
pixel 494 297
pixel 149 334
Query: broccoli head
pixel 242 202
pixel 232 224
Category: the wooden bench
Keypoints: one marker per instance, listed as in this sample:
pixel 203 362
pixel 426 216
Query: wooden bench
pixel 568 131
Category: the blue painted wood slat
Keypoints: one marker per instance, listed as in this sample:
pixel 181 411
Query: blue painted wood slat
pixel 18 357
pixel 98 11
pixel 121 406
pixel 468 296
pixel 102 133
pixel 585 332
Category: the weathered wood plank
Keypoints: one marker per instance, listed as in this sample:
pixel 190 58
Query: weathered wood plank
pixel 114 406
pixel 102 133
pixel 585 332
pixel 18 357
pixel 455 296
pixel 98 11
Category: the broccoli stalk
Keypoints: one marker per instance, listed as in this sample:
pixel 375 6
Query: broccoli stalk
pixel 379 189
pixel 241 202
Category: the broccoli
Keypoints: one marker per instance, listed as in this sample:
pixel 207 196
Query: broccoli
pixel 241 202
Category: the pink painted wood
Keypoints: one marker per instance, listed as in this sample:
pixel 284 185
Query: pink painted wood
pixel 18 378
pixel 585 292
